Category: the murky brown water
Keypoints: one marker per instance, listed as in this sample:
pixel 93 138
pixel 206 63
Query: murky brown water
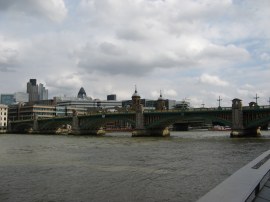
pixel 118 167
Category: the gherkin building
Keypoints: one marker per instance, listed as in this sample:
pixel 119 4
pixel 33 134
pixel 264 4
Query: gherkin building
pixel 81 93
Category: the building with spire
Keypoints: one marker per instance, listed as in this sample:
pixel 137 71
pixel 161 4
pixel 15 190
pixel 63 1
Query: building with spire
pixel 160 103
pixel 136 102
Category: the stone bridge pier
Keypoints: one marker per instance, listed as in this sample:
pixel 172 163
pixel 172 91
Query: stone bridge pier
pixel 141 131
pixel 76 130
pixel 238 129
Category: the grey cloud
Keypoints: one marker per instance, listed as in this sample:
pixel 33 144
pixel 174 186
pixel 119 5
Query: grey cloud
pixel 130 34
pixel 111 59
pixel 8 59
pixel 111 49
pixel 5 69
pixel 54 10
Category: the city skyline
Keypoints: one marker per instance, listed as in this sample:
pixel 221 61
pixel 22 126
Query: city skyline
pixel 198 50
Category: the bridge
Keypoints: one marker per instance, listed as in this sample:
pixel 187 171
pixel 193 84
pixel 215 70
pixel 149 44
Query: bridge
pixel 244 121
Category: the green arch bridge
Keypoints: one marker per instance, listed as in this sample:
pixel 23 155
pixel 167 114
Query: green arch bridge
pixel 244 121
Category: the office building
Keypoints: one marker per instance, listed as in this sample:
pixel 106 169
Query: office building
pixel 150 104
pixel 42 92
pixel 87 104
pixel 82 93
pixel 36 92
pixel 17 97
pixel 21 97
pixel 111 97
pixel 7 99
pixel 29 111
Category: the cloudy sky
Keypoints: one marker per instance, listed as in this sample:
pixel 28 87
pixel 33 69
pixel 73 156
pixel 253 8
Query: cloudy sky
pixel 194 49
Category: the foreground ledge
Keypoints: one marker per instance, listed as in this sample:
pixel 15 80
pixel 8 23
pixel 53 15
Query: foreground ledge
pixel 244 185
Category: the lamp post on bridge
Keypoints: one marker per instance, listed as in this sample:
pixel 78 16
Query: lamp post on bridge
pixel 203 105
pixel 219 100
pixel 256 99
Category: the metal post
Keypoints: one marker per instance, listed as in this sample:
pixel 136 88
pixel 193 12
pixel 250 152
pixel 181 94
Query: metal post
pixel 256 98
pixel 203 105
pixel 219 101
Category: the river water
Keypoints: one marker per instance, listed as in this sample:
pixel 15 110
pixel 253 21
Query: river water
pixel 118 167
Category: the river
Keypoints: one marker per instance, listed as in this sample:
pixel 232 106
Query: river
pixel 118 167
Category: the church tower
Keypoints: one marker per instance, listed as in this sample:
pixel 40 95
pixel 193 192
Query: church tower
pixel 136 100
pixel 160 103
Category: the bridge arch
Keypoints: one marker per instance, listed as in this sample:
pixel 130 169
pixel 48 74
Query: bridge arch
pixel 53 124
pixel 167 121
pixel 22 127
pixel 90 123
pixel 258 123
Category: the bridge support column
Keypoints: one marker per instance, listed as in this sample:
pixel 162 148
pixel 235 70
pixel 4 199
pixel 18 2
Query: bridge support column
pixel 94 132
pixel 252 132
pixel 77 131
pixel 35 128
pixel 141 131
pixel 75 124
pixel 238 129
pixel 151 133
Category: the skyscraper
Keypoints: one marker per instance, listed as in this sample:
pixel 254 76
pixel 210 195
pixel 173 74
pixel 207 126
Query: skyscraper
pixel 42 92
pixel 36 92
pixel 81 93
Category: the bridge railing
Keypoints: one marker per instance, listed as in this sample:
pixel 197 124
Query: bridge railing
pixel 201 109
pixel 257 107
pixel 192 109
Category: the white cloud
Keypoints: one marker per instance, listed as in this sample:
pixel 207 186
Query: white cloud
pixel 68 83
pixel 265 56
pixel 212 80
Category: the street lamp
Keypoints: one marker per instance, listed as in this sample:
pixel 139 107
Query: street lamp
pixel 256 98
pixel 219 100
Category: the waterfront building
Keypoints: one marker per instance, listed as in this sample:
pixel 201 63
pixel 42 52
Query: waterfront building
pixel 85 103
pixel 3 118
pixel 89 104
pixel 23 111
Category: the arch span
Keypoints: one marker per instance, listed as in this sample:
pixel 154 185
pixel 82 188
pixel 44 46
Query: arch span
pixel 167 121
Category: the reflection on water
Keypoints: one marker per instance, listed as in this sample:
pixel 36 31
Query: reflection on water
pixel 117 167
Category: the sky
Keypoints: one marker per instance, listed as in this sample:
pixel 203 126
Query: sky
pixel 196 50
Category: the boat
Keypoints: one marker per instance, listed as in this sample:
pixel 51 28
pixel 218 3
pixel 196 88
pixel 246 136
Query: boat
pixel 220 128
